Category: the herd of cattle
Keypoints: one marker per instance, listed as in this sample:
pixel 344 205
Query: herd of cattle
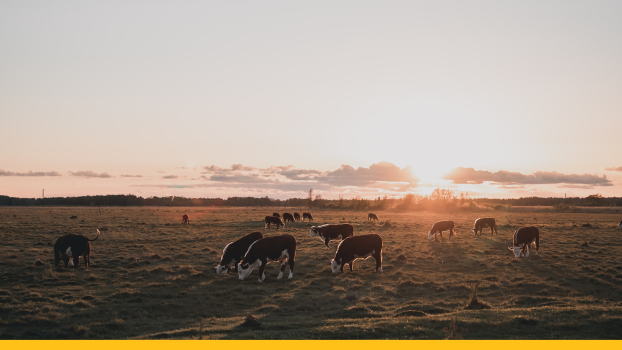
pixel 256 251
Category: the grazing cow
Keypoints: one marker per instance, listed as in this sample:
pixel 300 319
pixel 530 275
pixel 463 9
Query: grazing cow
pixel 276 214
pixel 185 219
pixel 372 217
pixel 296 216
pixel 441 226
pixel 288 217
pixel 307 216
pixel 234 252
pixel 273 220
pixel 357 247
pixel 482 223
pixel 327 232
pixel 277 248
pixel 523 237
pixel 71 247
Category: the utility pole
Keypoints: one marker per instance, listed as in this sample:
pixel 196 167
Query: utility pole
pixel 43 193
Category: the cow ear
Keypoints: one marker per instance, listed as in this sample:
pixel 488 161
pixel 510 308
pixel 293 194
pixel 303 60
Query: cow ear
pixel 510 248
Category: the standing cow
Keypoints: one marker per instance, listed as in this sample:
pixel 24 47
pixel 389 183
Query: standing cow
pixel 307 216
pixel 482 223
pixel 328 232
pixel 71 247
pixel 296 216
pixel 185 219
pixel 234 252
pixel 523 238
pixel 372 217
pixel 439 227
pixel 277 248
pixel 273 220
pixel 288 217
pixel 358 247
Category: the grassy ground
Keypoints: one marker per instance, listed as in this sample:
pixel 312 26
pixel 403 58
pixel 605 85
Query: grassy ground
pixel 152 277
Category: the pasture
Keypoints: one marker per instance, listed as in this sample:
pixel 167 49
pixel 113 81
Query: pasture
pixel 154 278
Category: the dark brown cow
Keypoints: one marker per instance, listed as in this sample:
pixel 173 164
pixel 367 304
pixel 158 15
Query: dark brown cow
pixel 276 214
pixel 288 217
pixel 372 217
pixel 523 237
pixel 296 216
pixel 185 219
pixel 441 226
pixel 307 216
pixel 273 220
pixel 235 251
pixel 357 247
pixel 71 247
pixel 482 223
pixel 328 232
pixel 277 248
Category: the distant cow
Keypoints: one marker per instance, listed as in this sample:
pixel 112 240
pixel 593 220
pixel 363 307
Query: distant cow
pixel 288 217
pixel 296 216
pixel 185 219
pixel 441 226
pixel 307 216
pixel 71 247
pixel 277 248
pixel 482 223
pixel 620 226
pixel 372 217
pixel 523 237
pixel 328 232
pixel 276 214
pixel 357 247
pixel 273 220
pixel 234 252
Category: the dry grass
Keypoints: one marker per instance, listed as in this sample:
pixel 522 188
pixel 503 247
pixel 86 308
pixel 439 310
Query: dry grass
pixel 152 277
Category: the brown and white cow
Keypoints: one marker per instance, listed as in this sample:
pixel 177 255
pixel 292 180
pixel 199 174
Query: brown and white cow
pixel 482 223
pixel 185 219
pixel 276 248
pixel 71 247
pixel 296 216
pixel 307 216
pixel 268 220
pixel 288 217
pixel 372 217
pixel 358 247
pixel 441 226
pixel 523 238
pixel 234 252
pixel 328 232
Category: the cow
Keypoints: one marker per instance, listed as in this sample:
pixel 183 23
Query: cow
pixel 288 217
pixel 185 219
pixel 276 248
pixel 482 223
pixel 372 217
pixel 620 226
pixel 276 214
pixel 439 227
pixel 523 237
pixel 307 216
pixel 358 247
pixel 327 232
pixel 296 216
pixel 71 247
pixel 273 220
pixel 234 252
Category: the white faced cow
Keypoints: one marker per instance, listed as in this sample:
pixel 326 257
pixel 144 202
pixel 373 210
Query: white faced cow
pixel 439 227
pixel 523 238
pixel 234 252
pixel 482 223
pixel 357 247
pixel 327 232
pixel 277 248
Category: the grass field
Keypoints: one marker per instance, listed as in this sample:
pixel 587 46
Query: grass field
pixel 152 277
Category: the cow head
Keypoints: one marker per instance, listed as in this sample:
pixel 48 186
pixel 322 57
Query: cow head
pixel 335 266
pixel 474 230
pixel 245 269
pixel 430 235
pixel 517 251
pixel 314 232
pixel 226 261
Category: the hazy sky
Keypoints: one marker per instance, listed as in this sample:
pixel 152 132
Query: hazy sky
pixel 496 98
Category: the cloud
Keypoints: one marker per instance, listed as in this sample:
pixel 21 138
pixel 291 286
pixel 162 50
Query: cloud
pixel 462 175
pixel 170 177
pixel 30 173
pixel 379 172
pixel 618 168
pixel 90 174
pixel 125 175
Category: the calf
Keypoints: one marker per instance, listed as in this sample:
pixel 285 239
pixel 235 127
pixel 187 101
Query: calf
pixel 307 216
pixel 234 252
pixel 185 219
pixel 71 247
pixel 358 247
pixel 441 226
pixel 372 217
pixel 277 248
pixel 328 232
pixel 296 216
pixel 288 217
pixel 273 220
pixel 276 214
pixel 481 223
pixel 523 237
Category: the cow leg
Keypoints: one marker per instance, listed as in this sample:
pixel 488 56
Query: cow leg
pixel 262 275
pixel 351 263
pixel 86 260
pixel 378 257
pixel 76 261
pixel 326 242
pixel 291 261
pixel 283 264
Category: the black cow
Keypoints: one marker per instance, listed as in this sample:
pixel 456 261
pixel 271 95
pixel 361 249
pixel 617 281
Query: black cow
pixel 328 232
pixel 288 217
pixel 307 216
pixel 372 217
pixel 277 248
pixel 523 237
pixel 357 247
pixel 71 247
pixel 296 216
pixel 441 226
pixel 273 220
pixel 276 214
pixel 482 223
pixel 234 252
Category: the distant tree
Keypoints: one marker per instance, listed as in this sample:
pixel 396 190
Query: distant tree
pixel 594 200
pixel 310 198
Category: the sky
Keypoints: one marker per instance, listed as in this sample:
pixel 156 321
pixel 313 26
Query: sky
pixel 272 98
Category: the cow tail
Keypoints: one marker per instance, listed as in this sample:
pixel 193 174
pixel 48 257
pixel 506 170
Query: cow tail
pixel 94 238
pixel 56 257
